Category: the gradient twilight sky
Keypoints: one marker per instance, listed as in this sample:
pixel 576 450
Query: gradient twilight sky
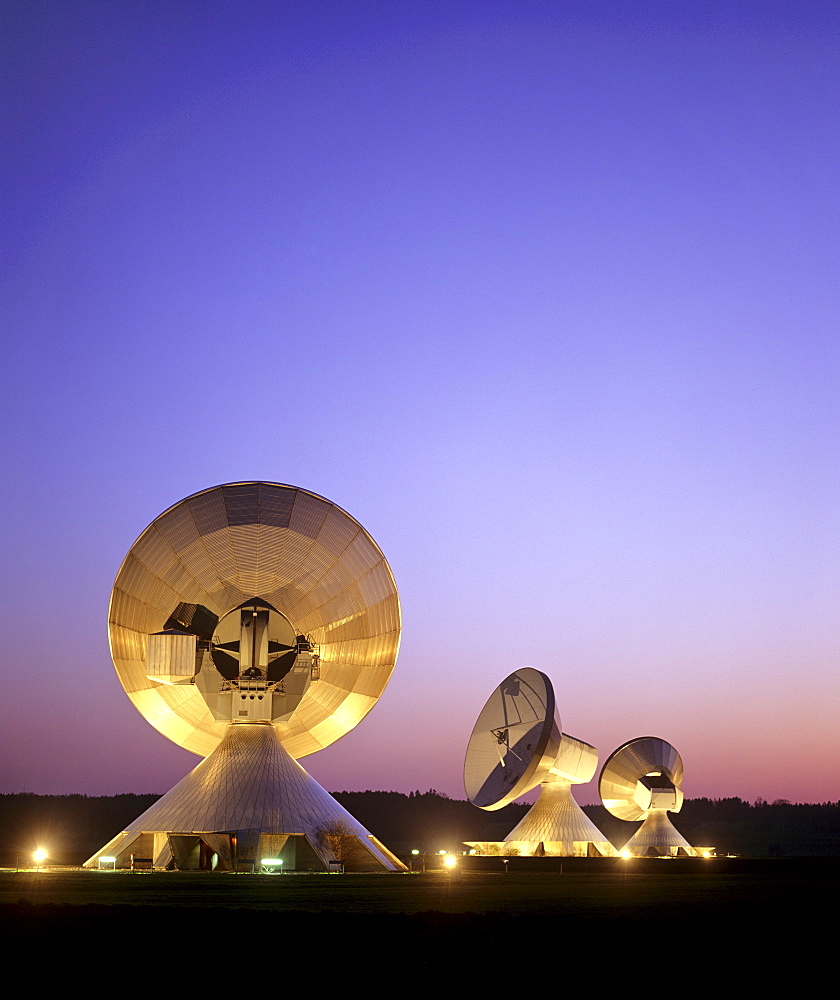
pixel 545 294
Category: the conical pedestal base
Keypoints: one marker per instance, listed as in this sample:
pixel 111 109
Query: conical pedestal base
pixel 246 802
pixel 658 837
pixel 555 825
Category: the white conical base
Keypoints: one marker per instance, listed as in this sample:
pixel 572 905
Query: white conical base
pixel 557 825
pixel 658 837
pixel 249 799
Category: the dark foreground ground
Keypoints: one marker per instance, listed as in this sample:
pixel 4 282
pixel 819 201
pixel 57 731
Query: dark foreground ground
pixel 614 925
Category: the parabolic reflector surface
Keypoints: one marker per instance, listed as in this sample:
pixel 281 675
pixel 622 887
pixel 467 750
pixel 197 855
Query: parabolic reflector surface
pixel 514 742
pixel 274 547
pixel 631 763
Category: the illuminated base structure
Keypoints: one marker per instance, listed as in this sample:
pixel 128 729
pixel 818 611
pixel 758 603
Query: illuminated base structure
pixel 555 826
pixel 657 837
pixel 248 805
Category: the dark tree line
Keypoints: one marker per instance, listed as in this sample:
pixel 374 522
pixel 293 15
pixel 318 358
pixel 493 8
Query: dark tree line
pixel 427 821
pixel 431 821
pixel 73 827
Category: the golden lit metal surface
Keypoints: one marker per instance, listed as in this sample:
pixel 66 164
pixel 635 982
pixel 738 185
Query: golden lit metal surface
pixel 641 781
pixel 621 784
pixel 252 623
pixel 514 742
pixel 251 787
pixel 319 571
pixel 518 743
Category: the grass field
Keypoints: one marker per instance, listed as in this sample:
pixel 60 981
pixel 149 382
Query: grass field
pixel 583 895
pixel 434 924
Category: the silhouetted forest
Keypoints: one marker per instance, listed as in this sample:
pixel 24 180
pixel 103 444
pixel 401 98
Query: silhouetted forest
pixel 73 827
pixel 732 826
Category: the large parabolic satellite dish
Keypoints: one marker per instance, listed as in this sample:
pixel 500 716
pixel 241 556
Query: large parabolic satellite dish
pixel 255 622
pixel 518 743
pixel 302 571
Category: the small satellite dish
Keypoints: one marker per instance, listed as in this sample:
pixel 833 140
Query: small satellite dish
pixel 517 744
pixel 641 781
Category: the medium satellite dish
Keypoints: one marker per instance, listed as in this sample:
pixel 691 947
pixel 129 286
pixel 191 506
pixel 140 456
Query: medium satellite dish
pixel 253 624
pixel 641 781
pixel 517 744
pixel 515 739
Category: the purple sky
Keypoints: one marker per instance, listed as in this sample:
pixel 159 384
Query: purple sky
pixel 544 294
